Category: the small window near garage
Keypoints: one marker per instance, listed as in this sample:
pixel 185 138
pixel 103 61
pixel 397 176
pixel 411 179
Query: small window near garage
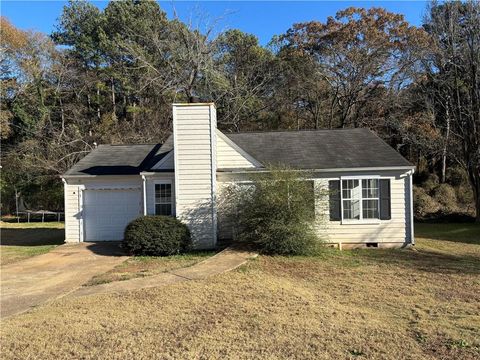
pixel 163 199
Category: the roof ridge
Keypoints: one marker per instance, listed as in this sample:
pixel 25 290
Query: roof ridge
pixel 293 131
pixel 140 144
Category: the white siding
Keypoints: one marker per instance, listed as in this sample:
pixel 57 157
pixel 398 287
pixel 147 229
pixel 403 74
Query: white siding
pixel 150 187
pixel 194 131
pixel 229 156
pixel 393 232
pixel 72 213
pixel 225 224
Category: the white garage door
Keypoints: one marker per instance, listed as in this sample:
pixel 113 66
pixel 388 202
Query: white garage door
pixel 108 212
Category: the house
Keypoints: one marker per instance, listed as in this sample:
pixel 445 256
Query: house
pixel 370 201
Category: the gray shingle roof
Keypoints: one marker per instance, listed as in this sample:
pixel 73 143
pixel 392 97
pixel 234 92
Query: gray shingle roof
pixel 162 151
pixel 319 149
pixel 115 160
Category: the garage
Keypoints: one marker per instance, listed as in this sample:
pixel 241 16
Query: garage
pixel 107 212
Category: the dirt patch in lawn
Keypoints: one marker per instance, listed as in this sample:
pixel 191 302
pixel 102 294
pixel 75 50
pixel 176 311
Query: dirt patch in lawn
pixel 375 304
pixel 142 266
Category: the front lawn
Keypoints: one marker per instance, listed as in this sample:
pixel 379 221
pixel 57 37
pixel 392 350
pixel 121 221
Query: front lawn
pixel 362 304
pixel 22 240
pixel 141 266
pixel 466 233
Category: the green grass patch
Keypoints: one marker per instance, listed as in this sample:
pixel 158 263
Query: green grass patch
pixel 24 240
pixel 11 254
pixel 467 232
pixel 32 225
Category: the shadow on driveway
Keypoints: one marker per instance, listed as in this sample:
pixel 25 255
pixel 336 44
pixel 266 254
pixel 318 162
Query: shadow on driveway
pixel 106 248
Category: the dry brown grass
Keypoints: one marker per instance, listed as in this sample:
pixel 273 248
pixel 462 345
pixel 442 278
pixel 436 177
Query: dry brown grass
pixel 375 304
pixel 141 266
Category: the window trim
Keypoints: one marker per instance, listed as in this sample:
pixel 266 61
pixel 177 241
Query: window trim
pixel 172 195
pixel 361 221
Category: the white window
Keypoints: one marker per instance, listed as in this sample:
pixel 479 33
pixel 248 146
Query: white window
pixel 163 198
pixel 360 199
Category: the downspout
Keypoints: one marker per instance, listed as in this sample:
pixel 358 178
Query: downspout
pixel 412 236
pixel 144 190
pixel 65 206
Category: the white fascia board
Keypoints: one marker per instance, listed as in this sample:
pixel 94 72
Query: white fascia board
pixel 359 169
pixel 153 173
pixel 96 176
pixel 195 104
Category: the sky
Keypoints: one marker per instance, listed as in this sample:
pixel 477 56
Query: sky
pixel 262 18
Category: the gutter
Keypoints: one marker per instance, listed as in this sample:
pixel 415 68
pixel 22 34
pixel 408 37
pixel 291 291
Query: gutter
pixel 94 176
pixel 385 168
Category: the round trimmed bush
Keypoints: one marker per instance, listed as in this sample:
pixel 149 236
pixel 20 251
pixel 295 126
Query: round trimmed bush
pixel 156 236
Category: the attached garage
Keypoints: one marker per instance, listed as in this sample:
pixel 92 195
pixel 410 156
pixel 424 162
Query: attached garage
pixel 107 212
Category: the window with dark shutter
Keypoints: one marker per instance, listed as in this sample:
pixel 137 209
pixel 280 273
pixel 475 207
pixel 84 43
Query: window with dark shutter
pixel 334 200
pixel 385 201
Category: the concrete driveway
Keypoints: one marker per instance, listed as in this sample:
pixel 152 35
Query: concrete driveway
pixel 34 281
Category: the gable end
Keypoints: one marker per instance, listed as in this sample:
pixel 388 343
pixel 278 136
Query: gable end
pixel 231 156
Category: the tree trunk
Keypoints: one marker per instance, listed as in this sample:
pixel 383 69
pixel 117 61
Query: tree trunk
pixel 445 145
pixel 477 206
pixel 112 87
pixel 475 180
pixel 99 115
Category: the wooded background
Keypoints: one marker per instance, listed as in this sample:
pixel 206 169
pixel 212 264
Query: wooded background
pixel 110 77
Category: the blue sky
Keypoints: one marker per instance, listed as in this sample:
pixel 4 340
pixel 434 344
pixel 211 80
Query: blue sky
pixel 262 18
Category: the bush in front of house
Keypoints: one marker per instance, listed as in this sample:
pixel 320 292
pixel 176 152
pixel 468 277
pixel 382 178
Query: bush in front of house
pixel 275 211
pixel 156 236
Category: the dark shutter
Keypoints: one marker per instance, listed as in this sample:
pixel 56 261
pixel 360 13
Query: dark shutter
pixel 334 200
pixel 385 207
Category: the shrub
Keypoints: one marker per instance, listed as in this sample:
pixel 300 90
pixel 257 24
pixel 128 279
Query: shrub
pixel 457 176
pixel 156 236
pixel 430 183
pixel 465 196
pixel 445 195
pixel 423 204
pixel 275 212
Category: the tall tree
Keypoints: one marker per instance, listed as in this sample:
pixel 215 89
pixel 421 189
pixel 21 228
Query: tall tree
pixel 453 71
pixel 246 72
pixel 358 52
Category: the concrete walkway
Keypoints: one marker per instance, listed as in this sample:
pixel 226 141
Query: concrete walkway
pixel 225 260
pixel 33 281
